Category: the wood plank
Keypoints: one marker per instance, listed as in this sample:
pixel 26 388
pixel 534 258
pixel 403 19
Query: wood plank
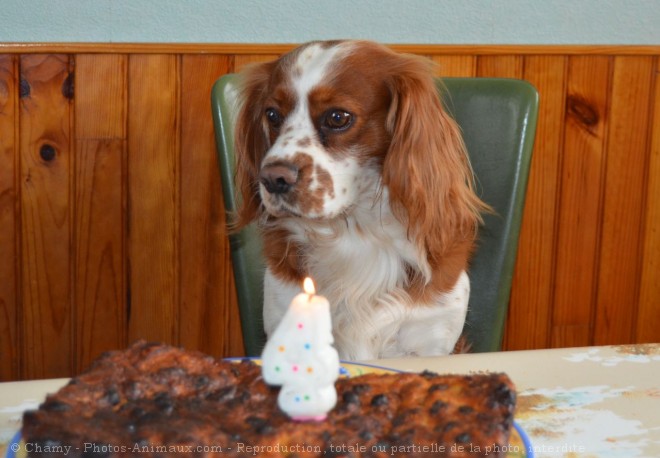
pixel 623 206
pixel 648 315
pixel 9 220
pixel 530 308
pixel 153 196
pixel 45 126
pixel 101 96
pixel 580 206
pixel 451 65
pixel 208 297
pixel 506 66
pixel 241 61
pixel 280 48
pixel 100 273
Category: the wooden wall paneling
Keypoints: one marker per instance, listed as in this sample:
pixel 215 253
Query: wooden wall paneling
pixel 9 221
pixel 579 214
pixel 208 308
pixel 624 199
pixel 241 60
pixel 273 48
pixel 648 316
pixel 455 65
pixel 153 196
pixel 99 207
pixel 117 233
pixel 504 66
pixel 46 162
pixel 530 308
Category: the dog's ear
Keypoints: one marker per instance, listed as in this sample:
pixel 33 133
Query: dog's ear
pixel 427 169
pixel 250 141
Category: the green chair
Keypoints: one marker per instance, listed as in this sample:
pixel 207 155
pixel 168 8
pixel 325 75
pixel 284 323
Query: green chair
pixel 498 120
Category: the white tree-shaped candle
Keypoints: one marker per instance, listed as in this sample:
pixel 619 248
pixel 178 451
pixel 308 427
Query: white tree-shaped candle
pixel 299 356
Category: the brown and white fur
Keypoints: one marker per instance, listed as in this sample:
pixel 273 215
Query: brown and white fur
pixel 360 180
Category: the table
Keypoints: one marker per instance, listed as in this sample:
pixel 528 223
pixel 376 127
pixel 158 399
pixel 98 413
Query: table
pixel 572 402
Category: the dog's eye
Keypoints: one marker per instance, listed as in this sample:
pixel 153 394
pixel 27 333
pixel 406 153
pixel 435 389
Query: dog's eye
pixel 337 119
pixel 274 118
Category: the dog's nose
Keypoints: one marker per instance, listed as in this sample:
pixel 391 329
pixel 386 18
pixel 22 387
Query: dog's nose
pixel 278 178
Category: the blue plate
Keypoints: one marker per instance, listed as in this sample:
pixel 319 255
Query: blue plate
pixel 14 446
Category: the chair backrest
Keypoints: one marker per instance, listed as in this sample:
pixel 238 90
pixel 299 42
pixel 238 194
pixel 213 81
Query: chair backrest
pixel 498 120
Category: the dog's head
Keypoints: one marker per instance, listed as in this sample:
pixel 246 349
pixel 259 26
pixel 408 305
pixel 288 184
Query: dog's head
pixel 323 122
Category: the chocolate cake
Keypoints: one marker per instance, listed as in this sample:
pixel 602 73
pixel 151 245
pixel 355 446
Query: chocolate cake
pixel 157 400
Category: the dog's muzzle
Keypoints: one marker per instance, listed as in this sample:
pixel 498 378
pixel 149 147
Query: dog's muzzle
pixel 279 178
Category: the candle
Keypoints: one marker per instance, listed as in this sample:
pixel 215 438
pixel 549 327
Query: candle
pixel 299 356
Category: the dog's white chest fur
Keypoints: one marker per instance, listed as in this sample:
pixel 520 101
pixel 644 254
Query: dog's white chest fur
pixel 361 265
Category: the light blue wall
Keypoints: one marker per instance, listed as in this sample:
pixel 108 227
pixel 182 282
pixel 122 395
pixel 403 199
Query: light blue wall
pixel 292 21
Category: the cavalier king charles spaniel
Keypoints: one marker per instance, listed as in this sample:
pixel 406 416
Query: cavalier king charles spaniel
pixel 359 179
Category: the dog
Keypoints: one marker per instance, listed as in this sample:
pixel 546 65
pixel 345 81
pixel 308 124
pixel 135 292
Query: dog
pixel 359 179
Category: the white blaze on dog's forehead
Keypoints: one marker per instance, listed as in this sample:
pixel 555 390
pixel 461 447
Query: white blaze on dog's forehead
pixel 313 64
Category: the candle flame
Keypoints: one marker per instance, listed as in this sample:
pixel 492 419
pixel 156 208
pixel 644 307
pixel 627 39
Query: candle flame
pixel 308 286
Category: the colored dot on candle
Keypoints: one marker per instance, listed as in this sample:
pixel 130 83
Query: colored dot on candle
pixel 306 397
pixel 277 368
pixel 297 398
pixel 310 370
pixel 308 346
pixel 281 348
pixel 295 368
pixel 300 325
